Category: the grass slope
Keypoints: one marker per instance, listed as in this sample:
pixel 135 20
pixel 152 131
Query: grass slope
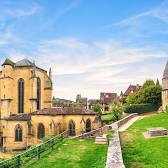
pixel 74 154
pixel 139 152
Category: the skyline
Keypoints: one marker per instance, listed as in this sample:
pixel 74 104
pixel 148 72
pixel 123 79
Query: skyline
pixel 91 46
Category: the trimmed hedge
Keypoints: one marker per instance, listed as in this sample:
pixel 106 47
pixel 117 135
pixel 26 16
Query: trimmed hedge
pixel 141 108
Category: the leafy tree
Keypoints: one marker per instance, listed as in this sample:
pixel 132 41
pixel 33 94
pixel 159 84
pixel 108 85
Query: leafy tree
pixel 133 98
pixel 76 105
pixel 157 82
pixel 148 83
pixel 116 110
pixel 98 108
pixel 152 94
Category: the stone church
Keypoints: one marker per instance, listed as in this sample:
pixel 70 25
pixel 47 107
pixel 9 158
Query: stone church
pixel 25 108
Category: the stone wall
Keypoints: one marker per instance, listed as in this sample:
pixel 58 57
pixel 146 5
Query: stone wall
pixel 114 155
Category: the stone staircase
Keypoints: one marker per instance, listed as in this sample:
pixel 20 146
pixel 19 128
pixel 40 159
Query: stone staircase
pixel 101 139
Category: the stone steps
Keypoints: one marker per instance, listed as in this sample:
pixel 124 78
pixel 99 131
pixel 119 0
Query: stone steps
pixel 101 140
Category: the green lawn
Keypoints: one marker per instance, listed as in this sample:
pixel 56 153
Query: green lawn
pixel 74 154
pixel 139 152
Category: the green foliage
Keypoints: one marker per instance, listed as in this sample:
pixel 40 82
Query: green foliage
pixel 152 94
pixel 98 108
pixel 140 108
pixel 149 93
pixel 116 110
pixel 77 105
pixel 148 83
pixel 157 82
pixel 166 109
pixel 133 98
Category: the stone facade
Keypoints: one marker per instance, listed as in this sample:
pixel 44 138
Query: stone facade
pixel 25 107
pixel 165 88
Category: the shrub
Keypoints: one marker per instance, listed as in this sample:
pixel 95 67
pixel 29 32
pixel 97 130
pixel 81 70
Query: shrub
pixel 140 108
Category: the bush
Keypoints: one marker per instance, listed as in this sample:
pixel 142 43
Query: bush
pixel 140 108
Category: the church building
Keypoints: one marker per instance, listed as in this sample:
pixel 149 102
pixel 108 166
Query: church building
pixel 26 112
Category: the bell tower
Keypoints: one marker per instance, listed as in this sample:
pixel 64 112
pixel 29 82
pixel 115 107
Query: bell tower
pixel 165 87
pixel 6 87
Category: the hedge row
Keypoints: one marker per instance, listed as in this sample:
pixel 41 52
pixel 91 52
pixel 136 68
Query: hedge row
pixel 141 108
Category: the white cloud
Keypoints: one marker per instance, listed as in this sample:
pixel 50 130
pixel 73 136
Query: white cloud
pixel 20 12
pixel 159 12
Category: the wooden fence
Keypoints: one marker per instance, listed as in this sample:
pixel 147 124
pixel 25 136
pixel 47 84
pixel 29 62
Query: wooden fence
pixel 33 152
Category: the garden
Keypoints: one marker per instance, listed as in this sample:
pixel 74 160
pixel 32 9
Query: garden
pixel 145 153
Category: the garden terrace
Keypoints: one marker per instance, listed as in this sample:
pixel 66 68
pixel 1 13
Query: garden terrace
pixel 145 153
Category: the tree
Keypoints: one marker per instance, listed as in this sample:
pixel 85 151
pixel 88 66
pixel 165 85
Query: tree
pixel 157 82
pixel 133 98
pixel 148 83
pixel 152 94
pixel 116 110
pixel 76 105
pixel 98 108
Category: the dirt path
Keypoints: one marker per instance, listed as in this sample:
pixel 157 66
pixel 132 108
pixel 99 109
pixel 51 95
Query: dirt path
pixel 131 121
pixel 128 124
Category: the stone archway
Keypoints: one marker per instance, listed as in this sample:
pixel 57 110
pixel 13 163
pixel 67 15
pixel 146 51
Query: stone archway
pixel 88 125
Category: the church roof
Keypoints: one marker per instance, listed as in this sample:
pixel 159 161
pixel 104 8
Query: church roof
pixel 63 111
pixel 23 63
pixel 19 117
pixel 8 62
pixel 165 74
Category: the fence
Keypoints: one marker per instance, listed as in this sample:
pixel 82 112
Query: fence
pixel 33 152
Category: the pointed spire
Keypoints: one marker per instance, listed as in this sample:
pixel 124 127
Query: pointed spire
pixel 34 70
pixel 165 74
pixel 8 62
pixel 50 73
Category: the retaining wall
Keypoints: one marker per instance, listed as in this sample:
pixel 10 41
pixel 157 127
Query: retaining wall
pixel 114 154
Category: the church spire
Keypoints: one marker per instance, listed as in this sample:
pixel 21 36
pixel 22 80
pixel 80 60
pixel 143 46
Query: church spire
pixel 50 73
pixel 34 70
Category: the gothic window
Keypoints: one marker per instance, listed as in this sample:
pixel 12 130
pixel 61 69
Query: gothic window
pixel 41 131
pixel 38 93
pixel 71 128
pixel 88 125
pixel 21 96
pixel 18 133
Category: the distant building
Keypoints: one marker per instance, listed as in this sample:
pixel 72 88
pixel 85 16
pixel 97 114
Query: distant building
pixel 82 100
pixel 131 89
pixel 107 98
pixel 92 102
pixel 57 102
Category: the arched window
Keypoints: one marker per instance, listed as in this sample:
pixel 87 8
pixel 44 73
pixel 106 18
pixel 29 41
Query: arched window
pixel 21 96
pixel 71 128
pixel 38 93
pixel 18 133
pixel 88 125
pixel 41 131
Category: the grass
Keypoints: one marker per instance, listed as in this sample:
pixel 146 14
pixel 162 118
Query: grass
pixel 139 152
pixel 108 117
pixel 74 153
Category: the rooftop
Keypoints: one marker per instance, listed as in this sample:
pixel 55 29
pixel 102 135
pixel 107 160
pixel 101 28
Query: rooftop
pixel 63 111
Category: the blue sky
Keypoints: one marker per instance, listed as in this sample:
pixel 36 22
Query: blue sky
pixel 91 45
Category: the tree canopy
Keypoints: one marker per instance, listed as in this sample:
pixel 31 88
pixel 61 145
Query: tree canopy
pixel 149 93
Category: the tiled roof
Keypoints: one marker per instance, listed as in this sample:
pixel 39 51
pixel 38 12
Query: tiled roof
pixel 8 62
pixel 132 89
pixel 108 97
pixel 23 63
pixel 19 117
pixel 63 111
pixel 93 101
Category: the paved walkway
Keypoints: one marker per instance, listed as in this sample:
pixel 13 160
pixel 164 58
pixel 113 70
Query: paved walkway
pixel 128 124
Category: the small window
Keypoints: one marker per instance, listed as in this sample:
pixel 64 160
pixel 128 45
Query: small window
pixel 18 133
